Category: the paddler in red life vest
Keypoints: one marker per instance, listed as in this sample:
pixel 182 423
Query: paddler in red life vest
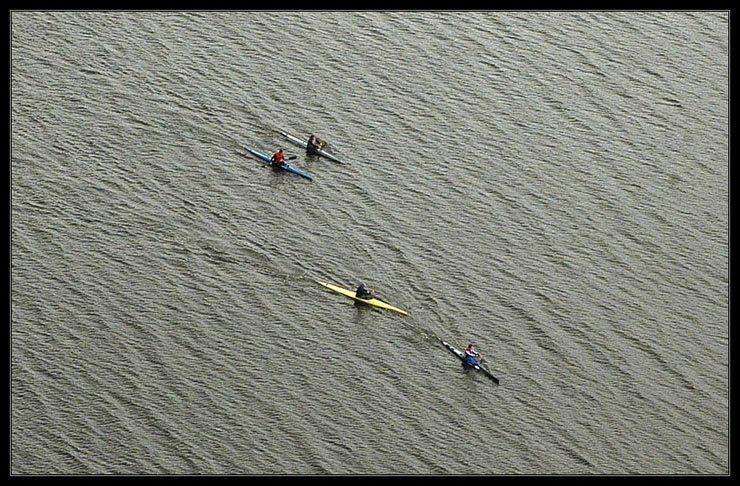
pixel 471 355
pixel 277 158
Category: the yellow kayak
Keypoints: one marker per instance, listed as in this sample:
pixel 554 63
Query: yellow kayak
pixel 351 294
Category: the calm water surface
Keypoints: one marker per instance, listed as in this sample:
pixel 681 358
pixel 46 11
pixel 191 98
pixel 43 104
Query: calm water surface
pixel 552 186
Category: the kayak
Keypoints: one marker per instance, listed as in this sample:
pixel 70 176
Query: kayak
pixel 285 166
pixel 304 144
pixel 467 365
pixel 351 294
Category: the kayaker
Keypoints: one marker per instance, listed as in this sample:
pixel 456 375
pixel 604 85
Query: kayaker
pixel 363 292
pixel 277 158
pixel 314 144
pixel 471 355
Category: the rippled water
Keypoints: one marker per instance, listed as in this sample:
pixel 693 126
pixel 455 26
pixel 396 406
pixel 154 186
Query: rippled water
pixel 552 186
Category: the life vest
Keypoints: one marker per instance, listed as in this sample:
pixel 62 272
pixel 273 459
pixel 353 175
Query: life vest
pixel 471 358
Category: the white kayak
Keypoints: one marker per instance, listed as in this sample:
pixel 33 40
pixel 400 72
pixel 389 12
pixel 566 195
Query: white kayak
pixel 304 144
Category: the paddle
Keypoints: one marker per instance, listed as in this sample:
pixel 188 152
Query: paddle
pixel 487 370
pixel 377 295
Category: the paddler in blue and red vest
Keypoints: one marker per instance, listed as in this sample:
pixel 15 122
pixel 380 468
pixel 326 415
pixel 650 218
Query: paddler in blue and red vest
pixel 471 355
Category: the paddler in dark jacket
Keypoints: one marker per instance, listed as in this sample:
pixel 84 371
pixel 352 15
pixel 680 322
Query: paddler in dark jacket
pixel 363 292
pixel 314 144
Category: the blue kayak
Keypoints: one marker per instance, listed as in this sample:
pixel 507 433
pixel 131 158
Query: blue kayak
pixel 285 166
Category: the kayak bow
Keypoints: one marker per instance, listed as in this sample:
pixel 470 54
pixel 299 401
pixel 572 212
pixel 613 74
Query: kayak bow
pixel 304 144
pixel 461 355
pixel 351 294
pixel 285 166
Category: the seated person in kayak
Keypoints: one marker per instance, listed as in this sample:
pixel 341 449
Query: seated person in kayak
pixel 472 356
pixel 363 292
pixel 277 158
pixel 314 144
